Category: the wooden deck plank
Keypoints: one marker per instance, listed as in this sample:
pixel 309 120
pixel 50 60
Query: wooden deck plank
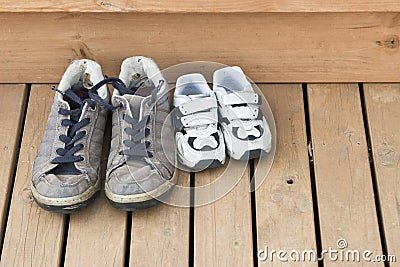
pixel 223 229
pixel 33 236
pixel 97 234
pixel 342 171
pixel 382 103
pixel 12 106
pixel 160 235
pixel 285 218
pixel 278 47
pixel 221 6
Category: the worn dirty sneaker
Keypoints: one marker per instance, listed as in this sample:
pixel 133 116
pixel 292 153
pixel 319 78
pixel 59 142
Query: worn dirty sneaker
pixel 65 175
pixel 199 142
pixel 246 131
pixel 141 168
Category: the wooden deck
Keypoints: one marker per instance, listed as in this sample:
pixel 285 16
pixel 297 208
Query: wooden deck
pixel 335 176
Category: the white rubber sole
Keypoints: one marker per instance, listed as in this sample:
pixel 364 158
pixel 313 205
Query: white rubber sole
pixel 67 204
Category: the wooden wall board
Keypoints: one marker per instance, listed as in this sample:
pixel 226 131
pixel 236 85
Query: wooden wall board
pixel 270 47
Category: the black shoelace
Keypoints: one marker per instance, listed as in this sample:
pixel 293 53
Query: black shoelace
pixel 74 124
pixel 138 131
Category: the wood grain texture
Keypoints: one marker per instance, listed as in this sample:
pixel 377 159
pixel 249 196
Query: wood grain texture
pixel 382 104
pixel 342 172
pixel 160 235
pixel 97 234
pixel 12 106
pixel 273 47
pixel 223 229
pixel 199 6
pixel 33 236
pixel 284 207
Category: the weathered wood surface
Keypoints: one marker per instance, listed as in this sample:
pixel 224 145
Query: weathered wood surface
pixel 33 237
pixel 12 107
pixel 285 215
pixel 342 172
pixel 199 6
pixel 278 47
pixel 382 103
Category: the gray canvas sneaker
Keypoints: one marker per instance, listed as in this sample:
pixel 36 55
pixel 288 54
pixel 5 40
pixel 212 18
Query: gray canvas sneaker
pixel 141 162
pixel 65 175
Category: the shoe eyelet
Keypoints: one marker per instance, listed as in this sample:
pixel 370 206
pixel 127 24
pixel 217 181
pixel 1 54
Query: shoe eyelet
pixel 147 143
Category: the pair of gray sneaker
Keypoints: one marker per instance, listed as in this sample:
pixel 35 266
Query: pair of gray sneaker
pixel 140 170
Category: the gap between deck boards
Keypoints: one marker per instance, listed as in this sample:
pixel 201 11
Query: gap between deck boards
pixel 178 236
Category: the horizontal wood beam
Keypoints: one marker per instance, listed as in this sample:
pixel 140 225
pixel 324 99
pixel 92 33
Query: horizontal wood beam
pixel 200 6
pixel 270 47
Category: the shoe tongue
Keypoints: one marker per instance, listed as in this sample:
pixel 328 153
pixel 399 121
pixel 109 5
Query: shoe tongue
pixel 135 103
pixel 73 98
pixel 143 90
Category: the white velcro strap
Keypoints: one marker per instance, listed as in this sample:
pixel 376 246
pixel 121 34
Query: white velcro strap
pixel 242 113
pixel 197 105
pixel 244 97
pixel 202 118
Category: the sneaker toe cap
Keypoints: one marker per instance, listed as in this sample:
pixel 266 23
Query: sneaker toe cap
pixel 125 183
pixel 62 186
